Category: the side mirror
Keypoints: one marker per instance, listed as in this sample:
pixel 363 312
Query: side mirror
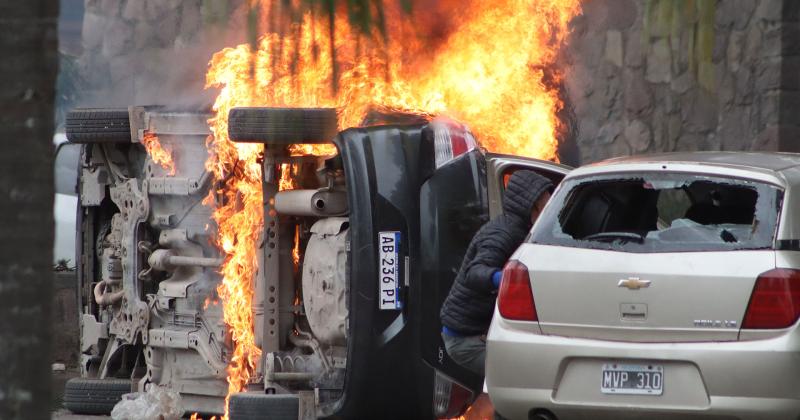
pixel 67 160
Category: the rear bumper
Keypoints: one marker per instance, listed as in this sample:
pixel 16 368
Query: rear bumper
pixel 736 380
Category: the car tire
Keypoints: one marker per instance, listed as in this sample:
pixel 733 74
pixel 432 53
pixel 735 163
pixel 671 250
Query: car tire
pixel 282 126
pixel 94 396
pixel 89 125
pixel 251 406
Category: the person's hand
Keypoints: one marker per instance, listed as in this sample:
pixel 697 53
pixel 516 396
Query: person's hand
pixel 496 276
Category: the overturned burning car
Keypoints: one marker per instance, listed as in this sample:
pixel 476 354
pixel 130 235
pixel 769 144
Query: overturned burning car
pixel 355 257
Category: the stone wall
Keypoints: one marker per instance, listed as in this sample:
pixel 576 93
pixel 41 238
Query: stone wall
pixel 677 75
pixel 143 52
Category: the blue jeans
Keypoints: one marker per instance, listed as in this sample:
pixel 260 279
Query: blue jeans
pixel 468 351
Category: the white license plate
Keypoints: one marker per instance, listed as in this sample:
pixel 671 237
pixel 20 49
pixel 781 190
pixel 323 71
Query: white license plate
pixel 389 270
pixel 632 379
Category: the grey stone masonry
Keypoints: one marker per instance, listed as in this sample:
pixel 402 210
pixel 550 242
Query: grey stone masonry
pixel 148 52
pixel 653 76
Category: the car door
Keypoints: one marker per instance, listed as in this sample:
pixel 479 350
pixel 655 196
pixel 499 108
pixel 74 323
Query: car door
pixel 501 167
pixel 455 202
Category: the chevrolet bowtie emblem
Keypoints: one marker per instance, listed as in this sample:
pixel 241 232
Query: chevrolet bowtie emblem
pixel 633 283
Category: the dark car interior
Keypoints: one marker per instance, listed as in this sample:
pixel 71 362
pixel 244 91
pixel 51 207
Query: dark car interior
pixel 637 207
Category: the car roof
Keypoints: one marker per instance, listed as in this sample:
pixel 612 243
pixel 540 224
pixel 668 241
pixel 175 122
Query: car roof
pixel 549 163
pixel 769 161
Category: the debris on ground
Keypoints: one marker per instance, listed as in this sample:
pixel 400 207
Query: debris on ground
pixel 156 404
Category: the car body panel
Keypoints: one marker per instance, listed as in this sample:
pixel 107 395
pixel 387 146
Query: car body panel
pixel 455 202
pixel 587 296
pixel 768 161
pixel 384 160
pixel 453 206
pixel 762 175
pixel 747 380
pixel 712 369
pixel 436 211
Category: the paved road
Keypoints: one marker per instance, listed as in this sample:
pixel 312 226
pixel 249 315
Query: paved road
pixel 63 414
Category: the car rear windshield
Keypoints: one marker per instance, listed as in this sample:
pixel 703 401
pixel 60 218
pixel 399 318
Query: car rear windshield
pixel 660 212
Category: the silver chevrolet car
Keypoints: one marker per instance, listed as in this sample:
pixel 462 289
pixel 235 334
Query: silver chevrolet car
pixel 663 286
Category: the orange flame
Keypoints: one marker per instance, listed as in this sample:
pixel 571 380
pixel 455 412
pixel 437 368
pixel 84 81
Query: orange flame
pixel 296 248
pixel 158 153
pixel 481 409
pixel 491 72
pixel 196 416
pixel 239 216
pixel 312 150
pixel 209 302
pixel 287 181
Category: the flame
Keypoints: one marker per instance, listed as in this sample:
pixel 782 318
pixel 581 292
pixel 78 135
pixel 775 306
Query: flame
pixel 495 71
pixel 296 248
pixel 287 181
pixel 210 302
pixel 481 409
pixel 312 149
pixel 239 214
pixel 158 153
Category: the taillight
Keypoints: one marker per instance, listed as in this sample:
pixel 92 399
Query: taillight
pixel 450 398
pixel 515 298
pixel 450 140
pixel 775 302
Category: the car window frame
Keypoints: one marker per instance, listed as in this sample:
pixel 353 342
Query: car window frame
pixel 560 202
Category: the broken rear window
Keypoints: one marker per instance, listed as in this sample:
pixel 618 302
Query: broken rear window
pixel 659 212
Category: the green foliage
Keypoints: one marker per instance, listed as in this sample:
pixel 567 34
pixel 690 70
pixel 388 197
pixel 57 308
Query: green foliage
pixel 694 19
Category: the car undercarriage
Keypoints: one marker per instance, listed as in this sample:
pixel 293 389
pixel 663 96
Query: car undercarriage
pixel 149 267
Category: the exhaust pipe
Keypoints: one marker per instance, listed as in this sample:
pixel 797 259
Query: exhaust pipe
pixel 166 260
pixel 315 203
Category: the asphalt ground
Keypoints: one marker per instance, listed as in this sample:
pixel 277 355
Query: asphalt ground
pixel 481 409
pixel 64 414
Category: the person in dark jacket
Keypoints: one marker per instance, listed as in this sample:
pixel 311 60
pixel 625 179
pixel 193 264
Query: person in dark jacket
pixel 467 310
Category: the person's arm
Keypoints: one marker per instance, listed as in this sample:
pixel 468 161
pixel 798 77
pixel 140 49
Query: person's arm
pixel 490 258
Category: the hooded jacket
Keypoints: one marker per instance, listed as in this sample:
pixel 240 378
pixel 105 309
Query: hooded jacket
pixel 468 308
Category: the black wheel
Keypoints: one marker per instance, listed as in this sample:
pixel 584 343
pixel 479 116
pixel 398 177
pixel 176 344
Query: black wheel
pixel 282 125
pixel 246 406
pixel 94 396
pixel 89 125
